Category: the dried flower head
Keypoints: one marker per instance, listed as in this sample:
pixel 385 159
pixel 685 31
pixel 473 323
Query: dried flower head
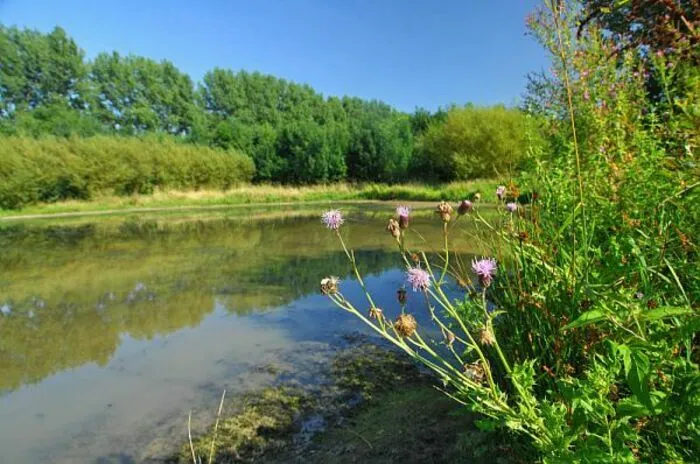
pixel 486 337
pixel 418 278
pixel 485 269
pixel 403 212
pixel 405 325
pixel 444 210
pixel 401 296
pixel 329 285
pixel 512 206
pixel 376 313
pixel 475 371
pixel 465 207
pixel 449 337
pixel 394 228
pixel 501 192
pixel 333 219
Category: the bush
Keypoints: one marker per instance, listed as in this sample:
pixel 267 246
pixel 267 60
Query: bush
pixel 474 142
pixel 53 169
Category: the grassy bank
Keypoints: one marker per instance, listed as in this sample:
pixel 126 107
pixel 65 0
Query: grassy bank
pixel 250 194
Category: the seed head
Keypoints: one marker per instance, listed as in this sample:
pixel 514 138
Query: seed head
pixel 486 337
pixel 394 228
pixel 444 210
pixel 376 313
pixel 329 285
pixel 474 371
pixel 465 207
pixel 418 278
pixel 405 325
pixel 333 219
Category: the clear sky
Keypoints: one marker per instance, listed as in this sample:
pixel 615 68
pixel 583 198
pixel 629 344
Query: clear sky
pixel 408 53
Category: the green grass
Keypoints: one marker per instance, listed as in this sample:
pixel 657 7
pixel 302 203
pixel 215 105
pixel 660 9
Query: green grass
pixel 254 194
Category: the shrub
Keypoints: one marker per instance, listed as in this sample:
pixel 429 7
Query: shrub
pixel 53 169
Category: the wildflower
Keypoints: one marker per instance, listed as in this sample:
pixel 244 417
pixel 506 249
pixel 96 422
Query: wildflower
pixel 376 313
pixel 401 296
pixel 474 371
pixel 403 212
pixel 485 269
pixel 333 219
pixel 500 192
pixel 476 196
pixel 464 207
pixel 586 95
pixel 486 337
pixel 405 325
pixel 639 295
pixel 512 206
pixel 394 228
pixel 329 285
pixel 418 278
pixel 444 210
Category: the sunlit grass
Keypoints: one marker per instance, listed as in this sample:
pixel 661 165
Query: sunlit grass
pixel 254 194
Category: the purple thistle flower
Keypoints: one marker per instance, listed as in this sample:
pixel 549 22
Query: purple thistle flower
pixel 500 191
pixel 512 207
pixel 333 219
pixel 485 269
pixel 586 95
pixel 402 212
pixel 418 278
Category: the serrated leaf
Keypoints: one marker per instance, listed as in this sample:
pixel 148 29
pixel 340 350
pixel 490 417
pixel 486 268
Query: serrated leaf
pixel 587 318
pixel 663 312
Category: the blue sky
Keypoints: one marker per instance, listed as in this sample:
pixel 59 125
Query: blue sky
pixel 408 53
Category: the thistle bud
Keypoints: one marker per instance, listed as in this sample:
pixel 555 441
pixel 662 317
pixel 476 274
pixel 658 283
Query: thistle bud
pixel 465 207
pixel 402 296
pixel 405 325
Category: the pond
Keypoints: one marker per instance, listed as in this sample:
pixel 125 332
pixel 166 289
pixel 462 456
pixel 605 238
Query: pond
pixel 112 329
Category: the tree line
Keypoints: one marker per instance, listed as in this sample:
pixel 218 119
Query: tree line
pixel 292 133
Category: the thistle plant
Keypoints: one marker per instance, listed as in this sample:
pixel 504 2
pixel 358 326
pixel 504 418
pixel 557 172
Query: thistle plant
pixel 469 357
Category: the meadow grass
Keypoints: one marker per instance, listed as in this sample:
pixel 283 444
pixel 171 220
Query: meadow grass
pixel 262 193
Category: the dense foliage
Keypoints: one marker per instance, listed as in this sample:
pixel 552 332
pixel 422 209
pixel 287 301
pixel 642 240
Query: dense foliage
pixel 51 169
pixel 581 336
pixel 292 133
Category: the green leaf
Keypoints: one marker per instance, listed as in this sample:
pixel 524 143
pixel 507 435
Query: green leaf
pixel 486 425
pixel 663 312
pixel 587 318
pixel 637 373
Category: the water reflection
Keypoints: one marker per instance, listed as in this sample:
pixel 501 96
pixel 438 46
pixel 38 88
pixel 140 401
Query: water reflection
pixel 118 317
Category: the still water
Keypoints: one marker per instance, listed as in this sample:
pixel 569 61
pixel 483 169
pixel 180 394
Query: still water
pixel 112 329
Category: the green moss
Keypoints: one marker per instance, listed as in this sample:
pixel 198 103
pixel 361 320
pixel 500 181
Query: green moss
pixel 263 423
